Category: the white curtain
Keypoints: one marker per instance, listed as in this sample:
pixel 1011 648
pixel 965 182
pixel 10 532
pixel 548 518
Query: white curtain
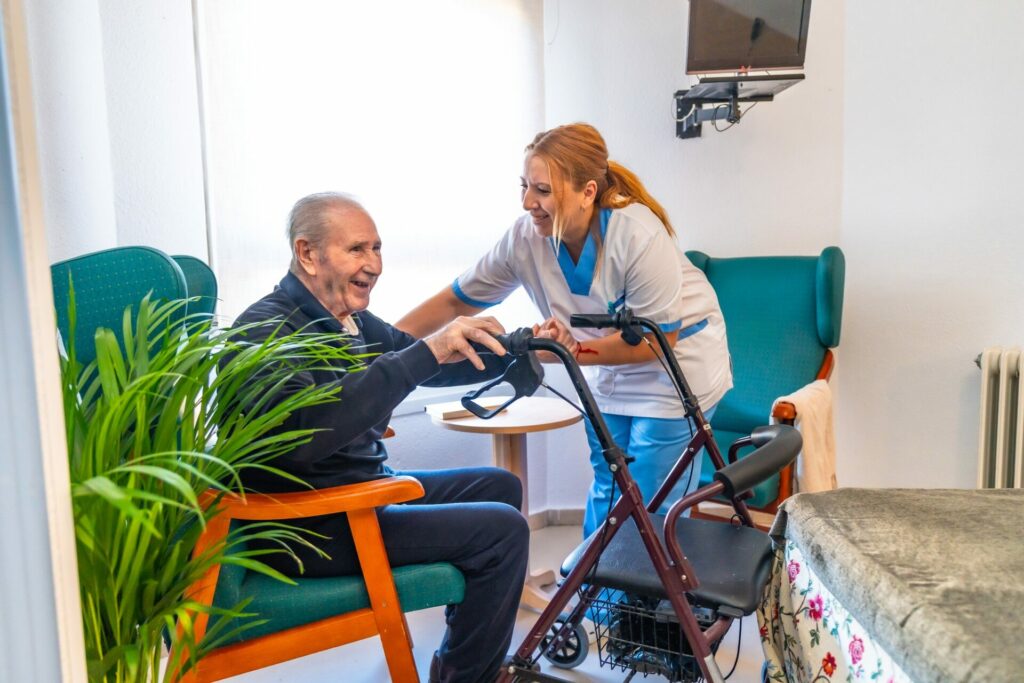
pixel 420 109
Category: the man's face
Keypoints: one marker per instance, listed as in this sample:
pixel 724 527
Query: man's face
pixel 346 266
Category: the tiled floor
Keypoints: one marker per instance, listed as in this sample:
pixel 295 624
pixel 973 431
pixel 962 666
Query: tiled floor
pixel 363 662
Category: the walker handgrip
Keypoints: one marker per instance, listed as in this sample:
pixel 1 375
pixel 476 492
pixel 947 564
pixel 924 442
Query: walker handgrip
pixel 779 446
pixel 517 341
pixel 595 320
pixel 622 320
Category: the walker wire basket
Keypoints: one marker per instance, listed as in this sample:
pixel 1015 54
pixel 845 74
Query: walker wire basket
pixel 642 635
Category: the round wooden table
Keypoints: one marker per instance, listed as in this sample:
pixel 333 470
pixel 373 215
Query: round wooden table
pixel 508 432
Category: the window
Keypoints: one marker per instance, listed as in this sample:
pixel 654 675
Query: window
pixel 420 109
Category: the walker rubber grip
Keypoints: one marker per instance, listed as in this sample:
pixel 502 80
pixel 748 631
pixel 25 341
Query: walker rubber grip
pixel 597 320
pixel 778 445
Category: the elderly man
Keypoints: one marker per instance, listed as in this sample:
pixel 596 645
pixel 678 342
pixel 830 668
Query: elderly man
pixel 469 517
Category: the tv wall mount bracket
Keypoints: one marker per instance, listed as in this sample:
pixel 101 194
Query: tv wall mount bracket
pixel 722 96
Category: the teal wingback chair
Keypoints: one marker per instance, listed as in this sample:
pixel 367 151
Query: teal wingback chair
pixel 783 314
pixel 318 613
pixel 105 284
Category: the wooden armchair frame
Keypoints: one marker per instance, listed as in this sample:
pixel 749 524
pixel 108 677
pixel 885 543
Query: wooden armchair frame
pixel 785 413
pixel 383 617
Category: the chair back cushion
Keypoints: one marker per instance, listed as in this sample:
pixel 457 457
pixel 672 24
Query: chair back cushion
pixel 106 283
pixel 200 282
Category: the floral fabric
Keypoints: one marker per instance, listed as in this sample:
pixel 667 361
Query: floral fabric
pixel 809 637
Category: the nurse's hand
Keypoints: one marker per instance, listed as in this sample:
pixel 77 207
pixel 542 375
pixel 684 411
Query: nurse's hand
pixel 451 344
pixel 554 329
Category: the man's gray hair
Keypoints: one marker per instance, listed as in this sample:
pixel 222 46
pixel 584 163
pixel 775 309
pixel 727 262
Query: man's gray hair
pixel 310 217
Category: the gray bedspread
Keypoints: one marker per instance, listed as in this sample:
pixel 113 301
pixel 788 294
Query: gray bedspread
pixel 935 576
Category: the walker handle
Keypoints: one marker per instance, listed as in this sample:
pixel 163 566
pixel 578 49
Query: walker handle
pixel 777 446
pixel 622 320
pixel 595 320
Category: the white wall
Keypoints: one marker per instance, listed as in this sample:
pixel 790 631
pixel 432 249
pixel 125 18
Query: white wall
pixel 152 109
pixel 932 231
pixel 65 42
pixel 118 124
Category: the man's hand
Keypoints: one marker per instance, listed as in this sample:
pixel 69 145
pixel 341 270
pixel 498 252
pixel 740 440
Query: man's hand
pixel 451 344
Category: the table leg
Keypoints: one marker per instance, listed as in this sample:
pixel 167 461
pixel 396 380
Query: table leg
pixel 510 454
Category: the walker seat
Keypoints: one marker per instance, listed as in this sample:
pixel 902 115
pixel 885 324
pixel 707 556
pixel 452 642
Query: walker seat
pixel 732 563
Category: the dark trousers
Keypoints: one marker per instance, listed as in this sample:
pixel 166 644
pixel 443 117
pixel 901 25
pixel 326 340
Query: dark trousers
pixel 469 517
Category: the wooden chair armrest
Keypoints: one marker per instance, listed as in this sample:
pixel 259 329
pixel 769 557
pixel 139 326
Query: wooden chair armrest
pixel 265 506
pixel 784 411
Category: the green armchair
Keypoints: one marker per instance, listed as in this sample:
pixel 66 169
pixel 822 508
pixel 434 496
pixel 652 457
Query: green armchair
pixel 783 315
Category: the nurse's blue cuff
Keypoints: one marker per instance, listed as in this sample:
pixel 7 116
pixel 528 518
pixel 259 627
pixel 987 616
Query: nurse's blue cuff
pixel 671 327
pixel 469 301
pixel 692 329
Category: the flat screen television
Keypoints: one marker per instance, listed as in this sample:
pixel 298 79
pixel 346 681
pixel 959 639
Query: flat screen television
pixel 743 35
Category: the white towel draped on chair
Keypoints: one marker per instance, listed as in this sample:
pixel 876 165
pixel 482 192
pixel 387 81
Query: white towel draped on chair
pixel 816 465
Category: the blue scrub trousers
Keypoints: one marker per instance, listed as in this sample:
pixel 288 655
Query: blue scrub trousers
pixel 656 443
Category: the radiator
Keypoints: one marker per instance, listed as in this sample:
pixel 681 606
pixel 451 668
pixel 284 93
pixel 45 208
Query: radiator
pixel 1001 429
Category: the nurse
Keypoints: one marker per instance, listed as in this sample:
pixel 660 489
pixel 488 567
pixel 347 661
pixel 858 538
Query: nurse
pixel 592 241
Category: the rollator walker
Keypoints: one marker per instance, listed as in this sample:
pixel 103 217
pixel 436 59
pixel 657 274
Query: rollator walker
pixel 657 608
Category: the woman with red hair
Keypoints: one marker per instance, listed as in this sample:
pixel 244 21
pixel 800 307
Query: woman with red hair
pixel 592 241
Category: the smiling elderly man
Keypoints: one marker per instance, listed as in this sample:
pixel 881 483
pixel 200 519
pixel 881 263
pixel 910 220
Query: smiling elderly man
pixel 469 517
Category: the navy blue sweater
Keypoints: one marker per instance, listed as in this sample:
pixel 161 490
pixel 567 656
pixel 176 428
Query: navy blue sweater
pixel 350 449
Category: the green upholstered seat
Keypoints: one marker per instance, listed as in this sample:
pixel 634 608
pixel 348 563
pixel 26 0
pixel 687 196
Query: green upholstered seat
pixel 781 314
pixel 105 284
pixel 284 606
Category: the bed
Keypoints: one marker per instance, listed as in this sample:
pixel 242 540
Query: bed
pixel 896 585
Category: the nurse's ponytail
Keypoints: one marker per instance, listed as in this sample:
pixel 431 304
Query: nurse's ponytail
pixel 577 152
pixel 625 188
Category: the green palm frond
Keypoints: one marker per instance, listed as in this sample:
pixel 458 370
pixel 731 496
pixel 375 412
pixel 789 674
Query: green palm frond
pixel 170 407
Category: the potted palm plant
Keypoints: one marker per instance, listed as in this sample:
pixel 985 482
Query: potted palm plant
pixel 171 408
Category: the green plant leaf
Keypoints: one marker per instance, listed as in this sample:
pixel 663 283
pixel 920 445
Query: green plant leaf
pixel 170 407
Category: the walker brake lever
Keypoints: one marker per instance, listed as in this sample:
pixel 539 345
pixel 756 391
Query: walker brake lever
pixel 524 373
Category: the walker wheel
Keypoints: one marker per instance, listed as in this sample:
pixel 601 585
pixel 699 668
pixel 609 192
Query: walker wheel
pixel 572 651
